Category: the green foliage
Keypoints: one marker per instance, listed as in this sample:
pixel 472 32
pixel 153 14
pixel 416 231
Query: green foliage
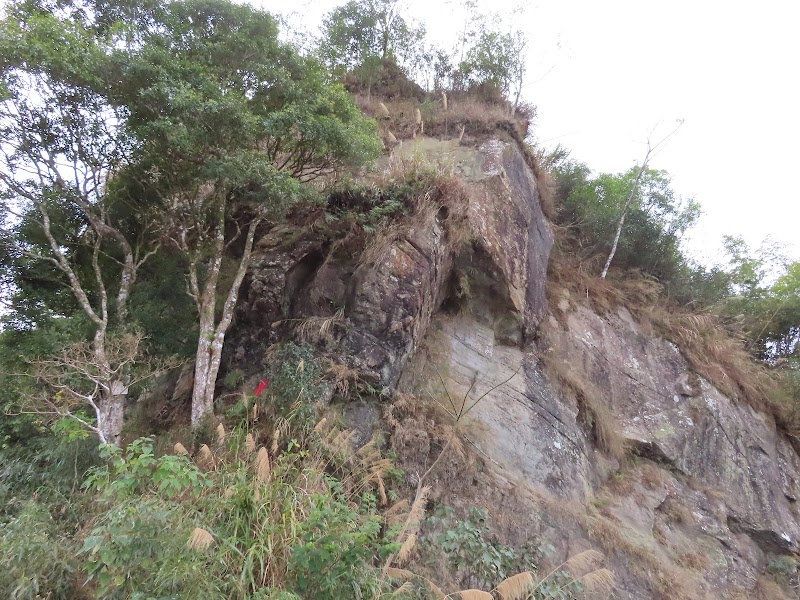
pixel 36 559
pixel 136 468
pixel 118 119
pixel 233 378
pixel 467 543
pixel 289 531
pixel 337 546
pixel 212 87
pixel 295 374
pixel 766 303
pixel 162 310
pixel 138 550
pixel 495 60
pixel 47 467
pixel 654 226
pixel 361 35
pixel 368 205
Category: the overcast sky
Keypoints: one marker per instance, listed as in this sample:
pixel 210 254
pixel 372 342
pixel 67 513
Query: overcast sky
pixel 603 74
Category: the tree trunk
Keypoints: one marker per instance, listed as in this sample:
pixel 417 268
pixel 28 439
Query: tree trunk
pixel 622 217
pixel 111 413
pixel 202 400
pixel 618 234
pixel 212 336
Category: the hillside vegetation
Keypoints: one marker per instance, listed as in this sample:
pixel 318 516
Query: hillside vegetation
pixel 146 149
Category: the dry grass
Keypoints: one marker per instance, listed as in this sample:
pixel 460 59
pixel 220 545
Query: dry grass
pixel 200 539
pixel 713 352
pixel 695 561
pixel 344 379
pixel 205 458
pixel 677 512
pixel 767 589
pixel 479 118
pixel 545 181
pixel 516 587
pixel 359 469
pixel 464 118
pixel 604 426
pixel 668 581
pixel 261 466
pixel 584 569
pixel 474 595
pixel 440 198
pixel 722 359
pixel 652 476
pixel 318 329
pixel 467 119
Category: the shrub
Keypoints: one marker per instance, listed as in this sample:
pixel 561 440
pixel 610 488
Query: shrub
pixel 477 559
pixel 36 559
pixel 336 549
pixel 136 470
pixel 138 549
pixel 263 524
pixel 296 380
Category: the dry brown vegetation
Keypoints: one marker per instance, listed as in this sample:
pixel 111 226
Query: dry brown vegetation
pixel 444 199
pixel 465 117
pixel 767 589
pixel 592 403
pixel 712 351
pixel 477 117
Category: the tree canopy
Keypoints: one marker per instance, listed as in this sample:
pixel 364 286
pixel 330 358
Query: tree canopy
pixel 128 126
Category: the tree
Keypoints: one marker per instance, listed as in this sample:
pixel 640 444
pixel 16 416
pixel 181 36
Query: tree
pixel 655 220
pixel 75 376
pixel 360 36
pixel 60 143
pixel 496 60
pixel 764 299
pixel 634 190
pixel 190 111
pixel 230 123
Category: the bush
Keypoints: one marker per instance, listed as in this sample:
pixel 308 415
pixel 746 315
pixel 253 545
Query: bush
pixel 36 559
pixel 251 524
pixel 478 560
pixel 295 380
pixel 138 549
pixel 334 557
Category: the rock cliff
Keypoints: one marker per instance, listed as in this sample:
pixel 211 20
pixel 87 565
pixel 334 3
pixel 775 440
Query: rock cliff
pixel 453 311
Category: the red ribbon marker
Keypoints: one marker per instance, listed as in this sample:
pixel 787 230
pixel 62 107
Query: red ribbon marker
pixel 261 387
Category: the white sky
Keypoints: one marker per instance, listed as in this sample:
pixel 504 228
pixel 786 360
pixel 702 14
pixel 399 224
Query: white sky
pixel 604 73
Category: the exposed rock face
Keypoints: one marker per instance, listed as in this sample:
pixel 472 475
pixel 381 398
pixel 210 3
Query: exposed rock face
pixel 388 305
pixel 693 430
pixel 713 492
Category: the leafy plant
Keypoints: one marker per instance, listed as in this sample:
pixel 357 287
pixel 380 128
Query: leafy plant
pixel 136 469
pixel 478 559
pixel 138 550
pixel 233 378
pixel 336 549
pixel 296 380
pixel 36 559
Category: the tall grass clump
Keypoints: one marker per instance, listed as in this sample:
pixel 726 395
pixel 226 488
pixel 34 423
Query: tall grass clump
pixel 37 560
pixel 241 520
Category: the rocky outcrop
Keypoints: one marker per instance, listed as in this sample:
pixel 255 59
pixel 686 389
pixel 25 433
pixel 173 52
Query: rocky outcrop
pixel 462 322
pixel 682 422
pixel 387 303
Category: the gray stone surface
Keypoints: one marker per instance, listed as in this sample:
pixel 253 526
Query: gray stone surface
pixel 713 491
